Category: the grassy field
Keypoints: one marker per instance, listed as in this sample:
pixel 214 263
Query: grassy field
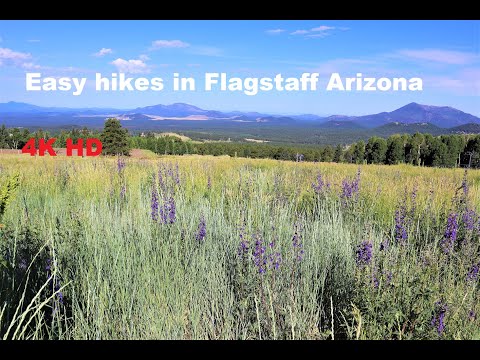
pixel 193 247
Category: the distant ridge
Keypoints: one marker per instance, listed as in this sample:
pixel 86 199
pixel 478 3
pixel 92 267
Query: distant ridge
pixel 413 113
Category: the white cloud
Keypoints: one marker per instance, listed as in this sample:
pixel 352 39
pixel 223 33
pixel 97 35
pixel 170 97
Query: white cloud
pixel 102 52
pixel 318 35
pixel 161 44
pixel 9 54
pixel 131 66
pixel 144 57
pixel 318 32
pixel 440 56
pixel 322 28
pixel 13 58
pixel 31 66
pixel 299 32
pixel 274 31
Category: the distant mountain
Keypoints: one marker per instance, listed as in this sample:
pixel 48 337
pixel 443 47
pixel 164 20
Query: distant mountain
pixel 334 124
pixel 23 114
pixel 20 107
pixel 308 117
pixel 13 107
pixel 441 116
pixel 466 129
pixel 402 128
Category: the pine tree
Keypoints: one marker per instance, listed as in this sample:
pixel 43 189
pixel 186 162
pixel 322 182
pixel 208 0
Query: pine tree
pixel 114 138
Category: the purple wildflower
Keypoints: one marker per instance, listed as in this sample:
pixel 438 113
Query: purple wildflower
pixel 471 315
pixel 438 319
pixel 274 260
pixel 450 235
pixel 120 164
pixel 375 281
pixel 469 218
pixel 259 258
pixel 319 185
pixel 364 253
pixel 171 210
pixel 209 183
pixel 154 203
pixel 161 181
pixel 401 234
pixel 472 274
pixel 389 276
pixel 243 247
pixel 177 174
pixel 384 245
pixel 123 191
pixel 202 230
pixel 297 243
pixel 350 190
pixel 413 204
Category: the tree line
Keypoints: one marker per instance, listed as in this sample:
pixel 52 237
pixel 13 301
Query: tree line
pixel 417 149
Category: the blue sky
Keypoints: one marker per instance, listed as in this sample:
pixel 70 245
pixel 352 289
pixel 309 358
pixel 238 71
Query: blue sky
pixel 445 54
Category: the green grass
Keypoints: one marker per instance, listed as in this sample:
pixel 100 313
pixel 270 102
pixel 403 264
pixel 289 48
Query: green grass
pixel 125 276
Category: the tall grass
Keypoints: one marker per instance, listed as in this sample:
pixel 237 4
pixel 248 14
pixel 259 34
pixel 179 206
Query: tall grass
pixel 85 260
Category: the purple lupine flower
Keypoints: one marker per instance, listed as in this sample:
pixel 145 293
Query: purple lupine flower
pixel 319 185
pixel 472 274
pixel 469 218
pixel 259 258
pixel 120 164
pixel 388 276
pixel 171 210
pixel 438 319
pixel 209 183
pixel 413 205
pixel 356 183
pixel 123 192
pixel 243 247
pixel 177 174
pixel 471 315
pixel 350 190
pixel 297 243
pixel 202 230
pixel 450 235
pixel 346 191
pixel 161 181
pixel 375 281
pixel 401 234
pixel 154 203
pixel 385 245
pixel 274 260
pixel 364 253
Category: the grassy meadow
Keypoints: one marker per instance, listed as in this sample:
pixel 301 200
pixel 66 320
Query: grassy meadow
pixel 199 247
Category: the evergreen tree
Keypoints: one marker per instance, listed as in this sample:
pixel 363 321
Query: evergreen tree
pixel 3 137
pixel 376 150
pixel 359 152
pixel 395 150
pixel 114 138
pixel 338 156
